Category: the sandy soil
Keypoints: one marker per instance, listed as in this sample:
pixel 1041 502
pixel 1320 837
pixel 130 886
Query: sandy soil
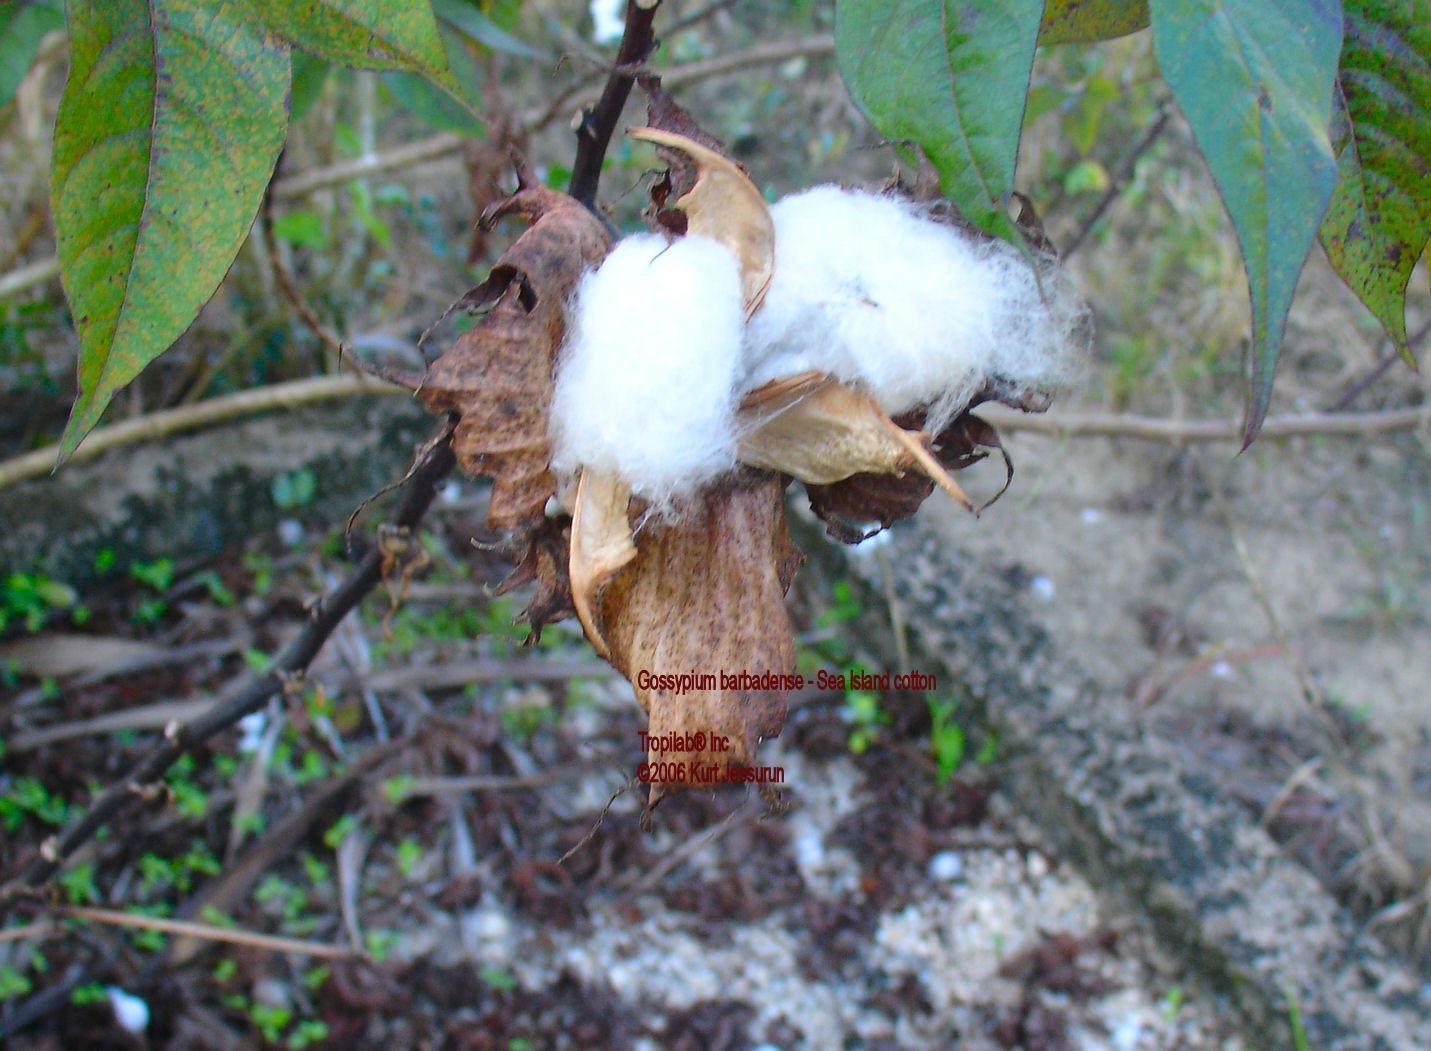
pixel 1287 585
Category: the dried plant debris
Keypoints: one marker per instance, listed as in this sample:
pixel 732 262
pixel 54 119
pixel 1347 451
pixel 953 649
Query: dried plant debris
pixel 642 407
pixel 497 377
pixel 705 596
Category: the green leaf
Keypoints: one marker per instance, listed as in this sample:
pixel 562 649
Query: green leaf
pixel 1254 79
pixel 170 124
pixel 1380 216
pixel 444 110
pixel 22 27
pixel 433 106
pixel 302 227
pixel 309 76
pixel 1084 21
pixel 471 22
pixel 949 77
pixel 363 34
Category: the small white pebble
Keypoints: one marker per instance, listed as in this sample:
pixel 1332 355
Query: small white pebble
pixel 290 532
pixel 1042 588
pixel 130 1012
pixel 809 851
pixel 946 866
pixel 1222 670
pixel 1038 866
pixel 491 925
pixel 1091 516
pixel 271 992
pixel 251 727
pixel 1127 1034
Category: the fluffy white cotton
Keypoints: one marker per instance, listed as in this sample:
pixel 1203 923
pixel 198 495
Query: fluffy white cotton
pixel 645 386
pixel 872 291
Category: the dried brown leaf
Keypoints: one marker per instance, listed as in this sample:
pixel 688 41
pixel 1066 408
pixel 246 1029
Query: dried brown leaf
pixel 705 595
pixel 544 563
pixel 821 431
pixel 665 114
pixel 497 377
pixel 884 499
pixel 725 206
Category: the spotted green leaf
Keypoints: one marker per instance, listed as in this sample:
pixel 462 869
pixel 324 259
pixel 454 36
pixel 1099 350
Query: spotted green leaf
pixel 363 34
pixel 1380 216
pixel 950 77
pixel 167 133
pixel 1254 79
pixel 1083 21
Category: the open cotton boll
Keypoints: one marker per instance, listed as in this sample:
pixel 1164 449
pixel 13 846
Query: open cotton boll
pixel 645 387
pixel 872 291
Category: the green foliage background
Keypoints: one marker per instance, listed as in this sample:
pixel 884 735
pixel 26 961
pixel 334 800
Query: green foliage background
pixel 1259 81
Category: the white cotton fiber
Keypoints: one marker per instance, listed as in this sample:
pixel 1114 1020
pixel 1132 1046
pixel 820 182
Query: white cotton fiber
pixel 872 291
pixel 645 386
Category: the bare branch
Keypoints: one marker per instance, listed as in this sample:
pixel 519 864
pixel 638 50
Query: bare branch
pixel 593 135
pixel 168 422
pixel 208 932
pixel 1150 429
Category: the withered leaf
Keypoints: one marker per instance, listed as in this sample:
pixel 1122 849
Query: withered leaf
pixel 845 506
pixel 543 563
pixel 725 206
pixel 497 377
pixel 666 114
pixel 705 596
pixel 821 431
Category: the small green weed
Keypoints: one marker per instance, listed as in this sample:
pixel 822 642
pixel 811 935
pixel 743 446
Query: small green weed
pixel 32 598
pixel 946 737
pixel 865 716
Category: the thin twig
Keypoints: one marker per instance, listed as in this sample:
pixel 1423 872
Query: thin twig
pixel 28 930
pixel 1151 429
pixel 297 393
pixel 1120 180
pixel 289 286
pixel 436 462
pixel 692 846
pixel 412 788
pixel 695 17
pixel 24 278
pixel 1354 391
pixel 593 135
pixel 239 877
pixel 207 931
pixel 168 422
pixel 446 675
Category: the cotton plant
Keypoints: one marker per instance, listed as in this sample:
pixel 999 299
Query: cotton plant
pixel 642 407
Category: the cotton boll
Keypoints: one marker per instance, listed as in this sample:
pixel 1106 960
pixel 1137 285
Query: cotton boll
pixel 645 387
pixel 871 290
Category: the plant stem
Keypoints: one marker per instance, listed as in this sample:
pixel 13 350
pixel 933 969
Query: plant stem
pixel 593 134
